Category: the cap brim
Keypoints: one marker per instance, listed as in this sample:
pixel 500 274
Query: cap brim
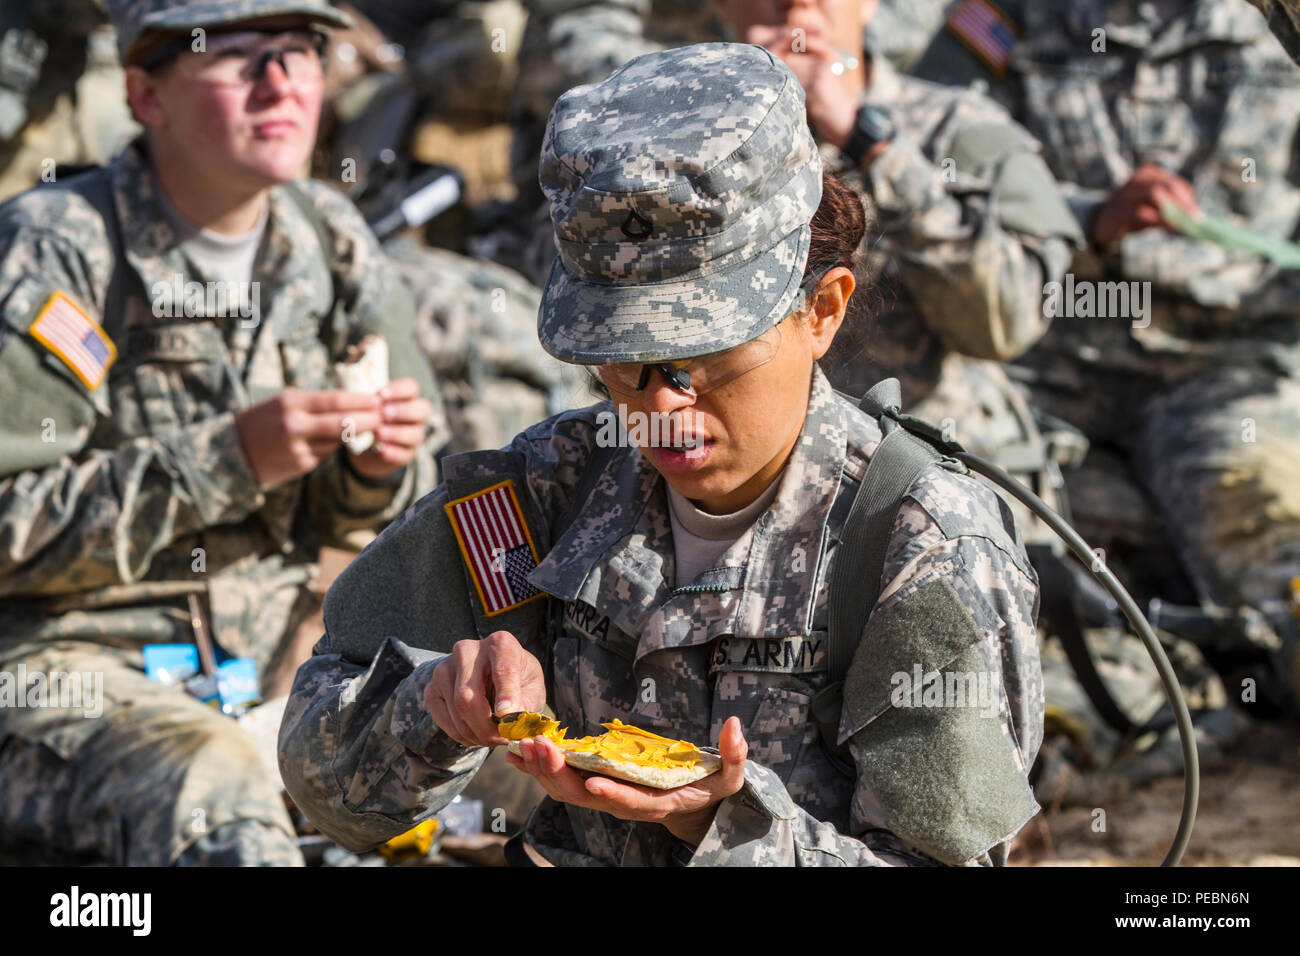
pixel 594 324
pixel 195 15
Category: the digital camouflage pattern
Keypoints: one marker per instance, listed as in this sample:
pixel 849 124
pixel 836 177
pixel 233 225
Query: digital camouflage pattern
pixel 134 18
pixel 117 504
pixel 571 42
pixel 1200 394
pixel 476 323
pixel 620 637
pixel 959 290
pixel 673 241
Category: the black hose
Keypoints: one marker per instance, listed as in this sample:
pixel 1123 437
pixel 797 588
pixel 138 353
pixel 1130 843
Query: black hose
pixel 1080 549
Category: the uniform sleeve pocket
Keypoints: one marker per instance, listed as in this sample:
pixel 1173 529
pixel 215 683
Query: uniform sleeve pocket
pixel 926 715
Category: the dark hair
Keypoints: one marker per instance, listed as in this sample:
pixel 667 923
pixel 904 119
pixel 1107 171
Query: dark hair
pixel 838 229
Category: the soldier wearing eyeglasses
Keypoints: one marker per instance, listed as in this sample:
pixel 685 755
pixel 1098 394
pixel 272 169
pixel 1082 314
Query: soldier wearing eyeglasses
pixel 172 449
pixel 682 585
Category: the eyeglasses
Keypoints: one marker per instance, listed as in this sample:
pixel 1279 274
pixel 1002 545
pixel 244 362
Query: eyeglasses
pixel 697 376
pixel 242 58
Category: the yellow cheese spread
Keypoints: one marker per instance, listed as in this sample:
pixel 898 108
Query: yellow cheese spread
pixel 620 742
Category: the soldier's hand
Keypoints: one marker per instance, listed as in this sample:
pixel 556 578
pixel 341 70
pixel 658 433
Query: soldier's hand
pixel 687 812
pixel 405 416
pixel 1136 205
pixel 481 678
pixel 287 436
pixel 831 98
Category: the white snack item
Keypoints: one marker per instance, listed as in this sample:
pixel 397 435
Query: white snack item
pixel 366 372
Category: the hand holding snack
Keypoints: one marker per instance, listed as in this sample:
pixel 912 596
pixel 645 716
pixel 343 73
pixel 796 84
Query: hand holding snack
pixel 686 811
pixel 478 679
pixel 288 435
pixel 623 751
pixel 404 415
pixel 378 453
pixel 1136 205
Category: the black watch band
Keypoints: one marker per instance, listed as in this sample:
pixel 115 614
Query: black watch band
pixel 873 125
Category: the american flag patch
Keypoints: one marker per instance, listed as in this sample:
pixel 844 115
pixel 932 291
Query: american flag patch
pixel 984 28
pixel 497 546
pixel 76 338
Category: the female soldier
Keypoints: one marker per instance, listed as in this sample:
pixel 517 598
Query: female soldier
pixel 171 446
pixel 682 585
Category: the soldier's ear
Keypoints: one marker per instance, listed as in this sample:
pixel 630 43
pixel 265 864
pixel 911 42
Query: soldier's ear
pixel 142 97
pixel 830 304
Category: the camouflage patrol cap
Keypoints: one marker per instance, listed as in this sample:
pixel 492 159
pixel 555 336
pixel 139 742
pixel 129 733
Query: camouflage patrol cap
pixel 133 19
pixel 681 191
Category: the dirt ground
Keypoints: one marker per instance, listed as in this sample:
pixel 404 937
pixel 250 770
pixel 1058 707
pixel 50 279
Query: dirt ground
pixel 1248 815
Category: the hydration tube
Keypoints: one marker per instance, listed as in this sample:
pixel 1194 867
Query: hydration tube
pixel 1080 549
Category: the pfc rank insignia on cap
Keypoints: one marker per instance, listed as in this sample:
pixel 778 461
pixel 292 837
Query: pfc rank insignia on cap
pixel 76 338
pixel 497 546
pixel 987 31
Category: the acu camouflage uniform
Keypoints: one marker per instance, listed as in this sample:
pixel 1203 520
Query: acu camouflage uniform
pixel 971 227
pixel 476 323
pixel 144 497
pixel 362 757
pixel 1205 399
pixel 706 150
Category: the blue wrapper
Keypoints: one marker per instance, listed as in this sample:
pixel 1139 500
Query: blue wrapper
pixel 237 685
pixel 171 663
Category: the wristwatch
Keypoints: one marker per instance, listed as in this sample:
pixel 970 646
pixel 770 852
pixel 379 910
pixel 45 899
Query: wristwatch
pixel 873 125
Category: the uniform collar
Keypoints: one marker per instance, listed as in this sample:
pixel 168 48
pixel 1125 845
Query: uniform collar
pixel 150 244
pixel 618 556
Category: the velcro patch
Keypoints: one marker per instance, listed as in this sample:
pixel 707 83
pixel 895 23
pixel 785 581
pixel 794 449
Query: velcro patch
pixel 76 338
pixel 986 30
pixel 497 546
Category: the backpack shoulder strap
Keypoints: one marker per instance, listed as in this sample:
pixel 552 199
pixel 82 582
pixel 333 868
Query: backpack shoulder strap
pixel 338 331
pixel 899 460
pixel 300 199
pixel 909 447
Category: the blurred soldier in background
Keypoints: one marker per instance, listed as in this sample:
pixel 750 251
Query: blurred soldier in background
pixel 171 467
pixel 1173 127
pixel 568 43
pixel 476 323
pixel 61 96
pixel 428 119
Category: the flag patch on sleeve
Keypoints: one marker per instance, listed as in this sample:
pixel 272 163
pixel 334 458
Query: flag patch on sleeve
pixel 986 30
pixel 76 338
pixel 497 546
